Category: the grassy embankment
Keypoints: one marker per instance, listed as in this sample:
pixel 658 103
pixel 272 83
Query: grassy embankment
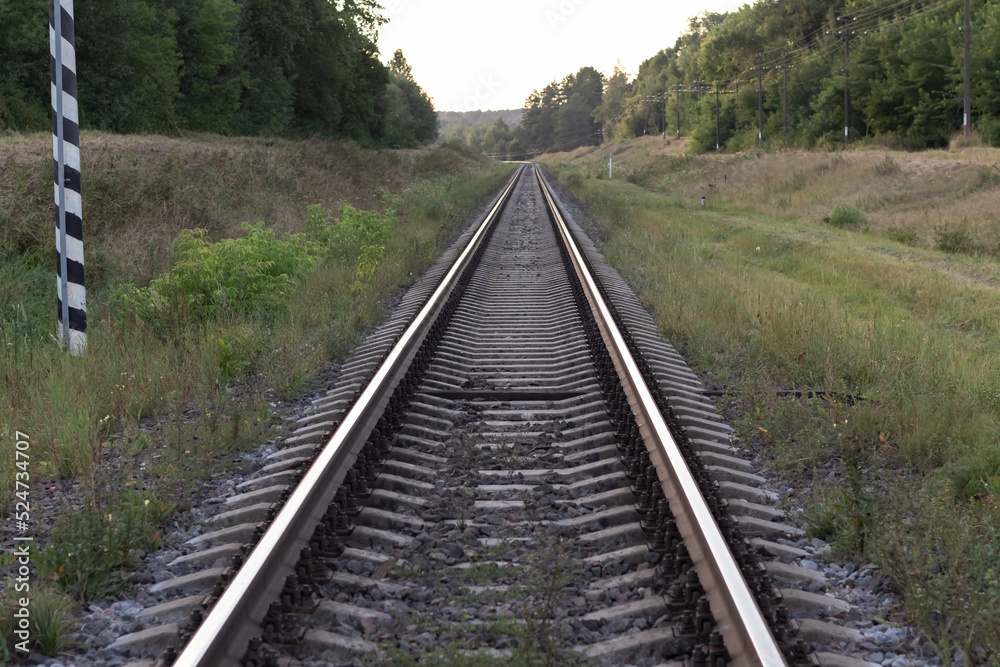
pixel 863 273
pixel 183 355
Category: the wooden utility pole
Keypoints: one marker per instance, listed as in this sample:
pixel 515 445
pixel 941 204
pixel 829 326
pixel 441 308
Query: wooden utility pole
pixel 967 35
pixel 760 100
pixel 678 105
pixel 717 135
pixel 784 98
pixel 664 115
pixel 847 33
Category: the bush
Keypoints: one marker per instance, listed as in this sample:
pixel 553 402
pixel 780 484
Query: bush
pixel 847 216
pixel 356 230
pixel 962 141
pixel 958 240
pixel 904 235
pixel 887 167
pixel 248 275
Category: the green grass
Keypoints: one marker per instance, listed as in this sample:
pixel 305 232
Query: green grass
pixel 182 359
pixel 49 623
pixel 768 303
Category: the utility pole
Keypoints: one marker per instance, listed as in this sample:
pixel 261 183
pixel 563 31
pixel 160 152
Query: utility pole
pixel 717 117
pixel 738 124
pixel 967 34
pixel 678 105
pixel 847 33
pixel 784 98
pixel 760 100
pixel 664 115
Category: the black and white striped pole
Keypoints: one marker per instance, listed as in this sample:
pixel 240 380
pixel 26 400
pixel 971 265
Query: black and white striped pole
pixel 72 296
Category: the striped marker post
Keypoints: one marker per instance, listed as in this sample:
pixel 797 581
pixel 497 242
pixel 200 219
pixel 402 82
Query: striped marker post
pixel 72 296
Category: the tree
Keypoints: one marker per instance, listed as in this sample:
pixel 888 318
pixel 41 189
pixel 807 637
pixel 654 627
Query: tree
pixel 561 116
pixel 128 65
pixel 24 65
pixel 209 88
pixel 266 35
pixel 575 122
pixel 612 107
pixel 408 114
pixel 497 138
pixel 400 67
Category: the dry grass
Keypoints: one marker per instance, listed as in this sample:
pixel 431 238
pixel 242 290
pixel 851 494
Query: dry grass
pixel 911 196
pixel 141 191
pixel 758 290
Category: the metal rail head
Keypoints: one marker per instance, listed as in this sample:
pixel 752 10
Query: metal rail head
pixel 223 636
pixel 747 635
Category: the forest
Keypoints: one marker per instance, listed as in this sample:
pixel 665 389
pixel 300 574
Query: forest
pixel 778 67
pixel 239 67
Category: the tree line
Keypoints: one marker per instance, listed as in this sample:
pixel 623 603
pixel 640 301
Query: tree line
pixel 245 67
pixel 903 75
pixel 905 80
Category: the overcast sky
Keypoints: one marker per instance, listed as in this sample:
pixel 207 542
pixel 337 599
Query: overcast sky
pixel 469 54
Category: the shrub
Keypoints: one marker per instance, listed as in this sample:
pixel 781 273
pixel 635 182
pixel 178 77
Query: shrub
pixel 962 141
pixel 234 348
pixel 346 240
pixel 847 216
pixel 246 275
pixel 904 235
pixel 886 167
pixel 958 240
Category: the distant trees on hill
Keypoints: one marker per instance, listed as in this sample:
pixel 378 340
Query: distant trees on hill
pixel 560 117
pixel 905 83
pixel 227 66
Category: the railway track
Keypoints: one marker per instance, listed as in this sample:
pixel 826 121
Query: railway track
pixel 514 468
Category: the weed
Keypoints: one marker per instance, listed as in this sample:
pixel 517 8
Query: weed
pixel 958 240
pixel 977 473
pixel 962 141
pixel 887 167
pixel 50 622
pixel 847 216
pixel 544 594
pixel 904 235
pixel 471 442
pixel 235 349
pixel 512 455
pixel 461 503
pixel 847 516
pixel 92 549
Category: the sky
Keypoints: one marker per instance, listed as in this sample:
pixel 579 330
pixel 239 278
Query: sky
pixel 470 54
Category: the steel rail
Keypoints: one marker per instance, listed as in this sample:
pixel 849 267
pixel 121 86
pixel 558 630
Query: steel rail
pixel 747 635
pixel 223 636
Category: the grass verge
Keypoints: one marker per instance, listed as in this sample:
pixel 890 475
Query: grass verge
pixel 185 354
pixel 902 452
